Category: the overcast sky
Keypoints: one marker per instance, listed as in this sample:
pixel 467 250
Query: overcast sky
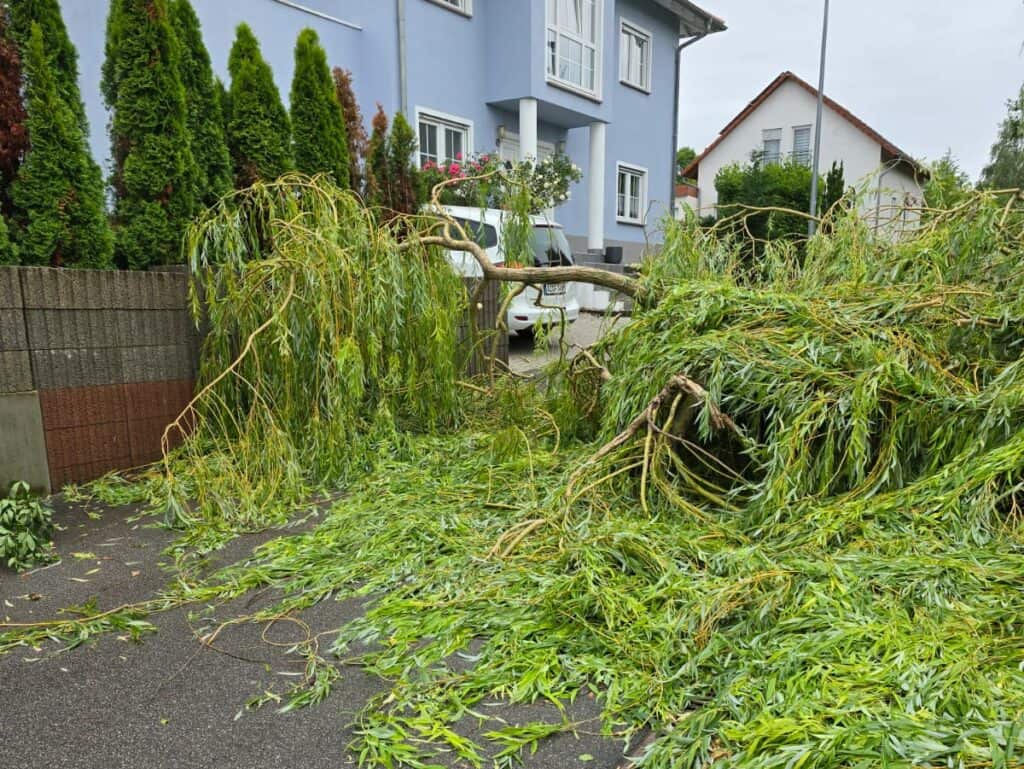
pixel 926 74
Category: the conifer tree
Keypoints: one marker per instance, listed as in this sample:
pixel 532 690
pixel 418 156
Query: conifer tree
pixel 13 132
pixel 8 251
pixel 318 125
pixel 377 187
pixel 402 171
pixel 354 129
pixel 202 98
pixel 154 177
pixel 59 188
pixel 259 132
pixel 224 100
pixel 57 44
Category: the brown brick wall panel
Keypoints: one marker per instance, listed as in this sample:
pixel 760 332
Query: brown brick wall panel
pixel 78 406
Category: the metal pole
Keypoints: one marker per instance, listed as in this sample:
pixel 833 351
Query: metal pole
pixel 812 223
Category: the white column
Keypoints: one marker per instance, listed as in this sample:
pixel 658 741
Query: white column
pixel 595 187
pixel 528 129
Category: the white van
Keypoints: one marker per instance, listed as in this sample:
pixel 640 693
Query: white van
pixel 550 249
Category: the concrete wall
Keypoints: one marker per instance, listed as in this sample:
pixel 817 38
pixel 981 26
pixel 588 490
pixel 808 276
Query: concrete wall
pixel 476 68
pixel 841 141
pixel 107 359
pixel 95 364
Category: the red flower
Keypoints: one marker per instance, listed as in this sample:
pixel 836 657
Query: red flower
pixel 454 169
pixel 458 156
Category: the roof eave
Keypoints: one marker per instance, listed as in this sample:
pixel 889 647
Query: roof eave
pixel 693 20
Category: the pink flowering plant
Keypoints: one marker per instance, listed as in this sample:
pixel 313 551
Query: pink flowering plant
pixel 485 181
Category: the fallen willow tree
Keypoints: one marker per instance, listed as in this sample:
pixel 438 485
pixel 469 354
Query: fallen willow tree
pixel 773 522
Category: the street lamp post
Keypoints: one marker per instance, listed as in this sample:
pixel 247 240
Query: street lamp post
pixel 812 222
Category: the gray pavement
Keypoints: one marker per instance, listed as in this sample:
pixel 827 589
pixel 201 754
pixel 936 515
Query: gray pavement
pixel 525 359
pixel 168 701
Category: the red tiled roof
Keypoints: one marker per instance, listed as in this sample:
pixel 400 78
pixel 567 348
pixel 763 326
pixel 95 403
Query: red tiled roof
pixel 889 150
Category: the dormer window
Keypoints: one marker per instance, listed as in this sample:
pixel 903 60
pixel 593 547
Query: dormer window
pixel 574 45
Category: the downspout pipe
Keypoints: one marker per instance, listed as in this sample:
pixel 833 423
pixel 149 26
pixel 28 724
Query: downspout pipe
pixel 675 118
pixel 403 67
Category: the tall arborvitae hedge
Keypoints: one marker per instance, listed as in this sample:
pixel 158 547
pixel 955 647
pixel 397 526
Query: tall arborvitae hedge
pixel 57 44
pixel 8 251
pixel 155 176
pixel 13 132
pixel 202 97
pixel 403 173
pixel 355 131
pixel 376 171
pixel 259 133
pixel 318 125
pixel 59 188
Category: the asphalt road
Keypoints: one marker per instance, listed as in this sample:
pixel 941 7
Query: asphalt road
pixel 169 702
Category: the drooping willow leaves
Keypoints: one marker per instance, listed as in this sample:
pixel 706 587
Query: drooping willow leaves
pixel 322 336
pixel 831 577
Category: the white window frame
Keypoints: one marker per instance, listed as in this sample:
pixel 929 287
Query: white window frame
pixel 444 120
pixel 627 27
pixel 810 150
pixel 632 169
pixel 776 136
pixel 597 45
pixel 461 7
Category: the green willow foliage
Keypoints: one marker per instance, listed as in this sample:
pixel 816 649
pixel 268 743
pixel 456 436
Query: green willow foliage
pixel 809 557
pixel 63 58
pixel 155 175
pixel 205 119
pixel 319 135
pixel 259 131
pixel 59 188
pixel 350 335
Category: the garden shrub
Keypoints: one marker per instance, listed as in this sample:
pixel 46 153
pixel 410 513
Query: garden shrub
pixel 318 125
pixel 26 528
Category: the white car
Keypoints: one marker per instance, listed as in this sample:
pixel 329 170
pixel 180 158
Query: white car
pixel 550 249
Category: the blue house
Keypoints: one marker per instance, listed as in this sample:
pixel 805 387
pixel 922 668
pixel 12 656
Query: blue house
pixel 597 79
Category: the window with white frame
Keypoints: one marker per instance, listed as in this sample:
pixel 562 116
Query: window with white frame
pixel 635 56
pixel 771 145
pixel 631 203
pixel 444 139
pixel 574 44
pixel 802 144
pixel 462 6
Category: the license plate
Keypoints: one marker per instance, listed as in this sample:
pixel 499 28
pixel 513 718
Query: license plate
pixel 554 289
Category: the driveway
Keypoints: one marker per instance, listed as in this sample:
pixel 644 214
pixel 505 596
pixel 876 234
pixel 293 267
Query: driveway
pixel 524 358
pixel 166 700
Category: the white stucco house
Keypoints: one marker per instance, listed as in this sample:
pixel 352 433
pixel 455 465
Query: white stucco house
pixel 779 123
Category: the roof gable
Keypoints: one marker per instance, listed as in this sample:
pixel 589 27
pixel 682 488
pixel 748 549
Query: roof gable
pixel 889 150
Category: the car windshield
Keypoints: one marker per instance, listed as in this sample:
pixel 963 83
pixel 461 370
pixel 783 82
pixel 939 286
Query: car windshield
pixel 550 247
